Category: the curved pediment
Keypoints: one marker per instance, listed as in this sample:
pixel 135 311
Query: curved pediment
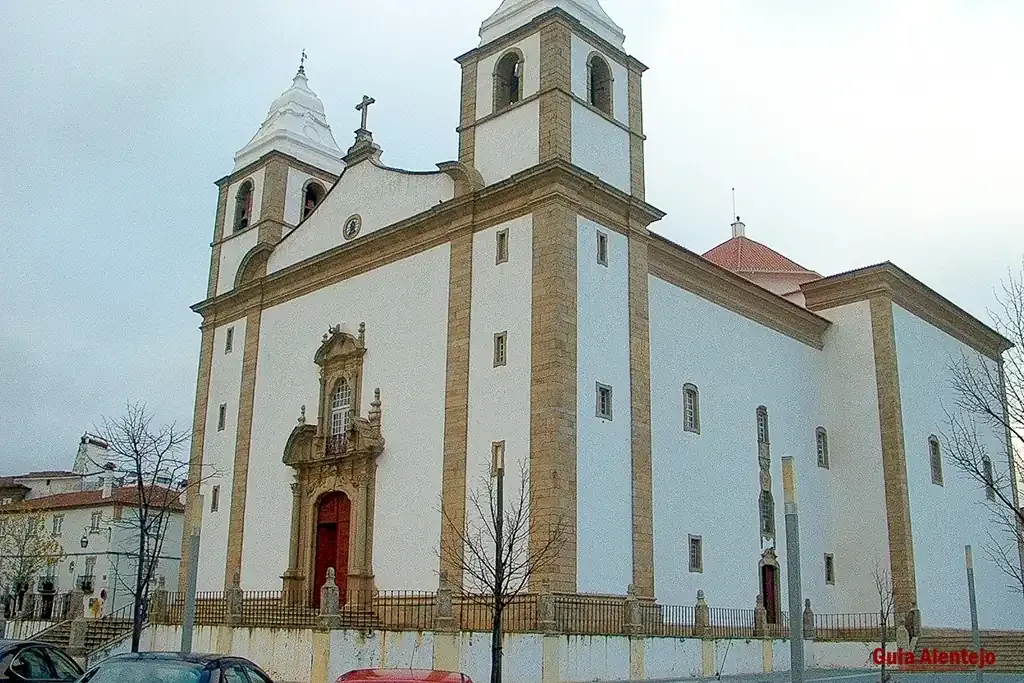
pixel 339 344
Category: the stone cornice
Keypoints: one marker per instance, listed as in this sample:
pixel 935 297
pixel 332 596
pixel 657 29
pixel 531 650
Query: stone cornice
pixel 553 15
pixel 681 267
pixel 523 193
pixel 888 281
pixel 297 164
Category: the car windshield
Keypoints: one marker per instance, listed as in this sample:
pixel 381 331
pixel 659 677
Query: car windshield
pixel 147 671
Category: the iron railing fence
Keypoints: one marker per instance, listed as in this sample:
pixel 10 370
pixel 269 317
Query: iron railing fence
pixel 863 626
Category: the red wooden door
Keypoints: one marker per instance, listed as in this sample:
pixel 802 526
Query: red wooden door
pixel 771 598
pixel 332 536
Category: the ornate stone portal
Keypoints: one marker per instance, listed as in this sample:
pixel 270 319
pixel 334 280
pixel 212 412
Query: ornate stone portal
pixel 338 454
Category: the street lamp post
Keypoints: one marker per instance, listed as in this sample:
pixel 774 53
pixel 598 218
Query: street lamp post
pixel 498 471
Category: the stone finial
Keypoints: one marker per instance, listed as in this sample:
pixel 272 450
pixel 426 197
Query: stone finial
pixel 760 616
pixel 701 615
pixel 302 415
pixel 330 597
pixel 631 590
pixel 362 334
pixel 374 415
pixel 808 620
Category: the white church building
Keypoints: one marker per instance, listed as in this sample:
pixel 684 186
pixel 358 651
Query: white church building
pixel 371 335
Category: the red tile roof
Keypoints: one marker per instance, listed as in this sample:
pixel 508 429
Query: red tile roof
pixel 126 495
pixel 47 473
pixel 744 255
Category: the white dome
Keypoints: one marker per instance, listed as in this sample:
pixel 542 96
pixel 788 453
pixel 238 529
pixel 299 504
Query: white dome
pixel 296 125
pixel 512 14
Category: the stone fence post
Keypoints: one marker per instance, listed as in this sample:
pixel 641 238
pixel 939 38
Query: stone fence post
pixel 76 608
pixel 234 600
pixel 808 620
pixel 158 603
pixel 546 609
pixel 633 620
pixel 330 603
pixel 701 616
pixel 760 617
pixel 444 612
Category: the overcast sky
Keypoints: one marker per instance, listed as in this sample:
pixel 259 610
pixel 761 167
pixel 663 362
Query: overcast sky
pixel 854 131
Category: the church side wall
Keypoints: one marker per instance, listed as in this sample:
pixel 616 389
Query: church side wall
pixel 707 484
pixel 509 143
pixel 852 508
pixel 604 534
pixel 499 397
pixel 403 305
pixel 381 197
pixel 219 454
pixel 948 517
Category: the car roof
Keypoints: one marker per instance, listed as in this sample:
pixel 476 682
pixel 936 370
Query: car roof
pixel 191 658
pixel 7 644
pixel 396 675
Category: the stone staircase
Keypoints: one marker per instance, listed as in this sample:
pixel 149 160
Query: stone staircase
pixel 1008 647
pixel 99 632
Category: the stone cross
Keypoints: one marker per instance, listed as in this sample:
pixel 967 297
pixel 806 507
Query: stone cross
pixel 364 108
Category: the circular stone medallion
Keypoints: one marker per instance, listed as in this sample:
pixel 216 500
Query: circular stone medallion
pixel 352 226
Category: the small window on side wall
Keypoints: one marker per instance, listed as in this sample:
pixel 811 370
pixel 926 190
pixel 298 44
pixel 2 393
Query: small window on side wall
pixel 508 80
pixel 696 553
pixel 215 499
pixel 243 206
pixel 935 459
pixel 222 416
pixel 762 424
pixel 599 83
pixel 830 569
pixel 691 409
pixel 501 247
pixel 229 340
pixel 602 248
pixel 500 349
pixel 990 484
pixel 821 437
pixel 604 401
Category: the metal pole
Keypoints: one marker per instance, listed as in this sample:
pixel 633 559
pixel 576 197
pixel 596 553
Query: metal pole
pixel 975 633
pixel 499 564
pixel 189 619
pixel 796 600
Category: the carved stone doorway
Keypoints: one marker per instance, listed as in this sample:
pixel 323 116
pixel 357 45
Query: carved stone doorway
pixel 333 531
pixel 769 575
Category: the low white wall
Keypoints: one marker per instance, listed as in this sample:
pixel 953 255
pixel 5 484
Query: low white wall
pixel 23 630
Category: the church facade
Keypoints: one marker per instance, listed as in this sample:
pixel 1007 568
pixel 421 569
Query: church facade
pixel 372 335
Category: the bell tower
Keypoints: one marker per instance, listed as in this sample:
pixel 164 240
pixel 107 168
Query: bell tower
pixel 550 80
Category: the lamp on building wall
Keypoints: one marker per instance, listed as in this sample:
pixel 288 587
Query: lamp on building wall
pixel 85 540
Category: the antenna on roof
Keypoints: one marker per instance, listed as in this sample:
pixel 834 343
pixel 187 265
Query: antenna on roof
pixel 734 202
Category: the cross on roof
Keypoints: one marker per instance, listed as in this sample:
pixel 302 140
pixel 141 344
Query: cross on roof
pixel 364 107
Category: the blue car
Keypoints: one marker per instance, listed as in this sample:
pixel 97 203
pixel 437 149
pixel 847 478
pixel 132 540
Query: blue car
pixel 174 667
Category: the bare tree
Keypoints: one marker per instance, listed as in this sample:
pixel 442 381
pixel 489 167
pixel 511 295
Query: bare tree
pixel 25 549
pixel 496 559
pixel 156 464
pixel 886 613
pixel 990 400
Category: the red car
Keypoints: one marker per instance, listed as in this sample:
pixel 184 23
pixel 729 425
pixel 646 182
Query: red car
pixel 402 676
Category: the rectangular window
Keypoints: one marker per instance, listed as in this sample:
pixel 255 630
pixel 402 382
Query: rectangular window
pixel 215 499
pixel 222 416
pixel 500 348
pixel 602 248
pixel 117 512
pixel 935 455
pixel 58 522
pixel 830 570
pixel 604 401
pixel 97 517
pixel 990 491
pixel 696 554
pixel 691 409
pixel 822 443
pixel 229 340
pixel 501 247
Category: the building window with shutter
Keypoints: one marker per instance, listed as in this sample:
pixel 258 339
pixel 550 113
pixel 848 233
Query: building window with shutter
pixel 602 248
pixel 604 401
pixel 501 247
pixel 821 437
pixel 696 552
pixel 500 349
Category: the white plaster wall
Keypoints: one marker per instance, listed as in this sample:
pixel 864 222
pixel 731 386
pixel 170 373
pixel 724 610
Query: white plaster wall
pixel 853 491
pixel 380 196
pixel 232 251
pixel 581 51
pixel 293 194
pixel 508 143
pixel 600 147
pixel 946 518
pixel 219 454
pixel 530 47
pixel 499 398
pixel 520 660
pixel 737 365
pixel 284 654
pixel 604 507
pixel 593 658
pixel 826 655
pixel 379 649
pixel 669 658
pixel 404 305
pixel 741 657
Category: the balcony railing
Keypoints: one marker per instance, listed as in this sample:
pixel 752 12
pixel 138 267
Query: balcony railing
pixel 336 444
pixel 85 582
